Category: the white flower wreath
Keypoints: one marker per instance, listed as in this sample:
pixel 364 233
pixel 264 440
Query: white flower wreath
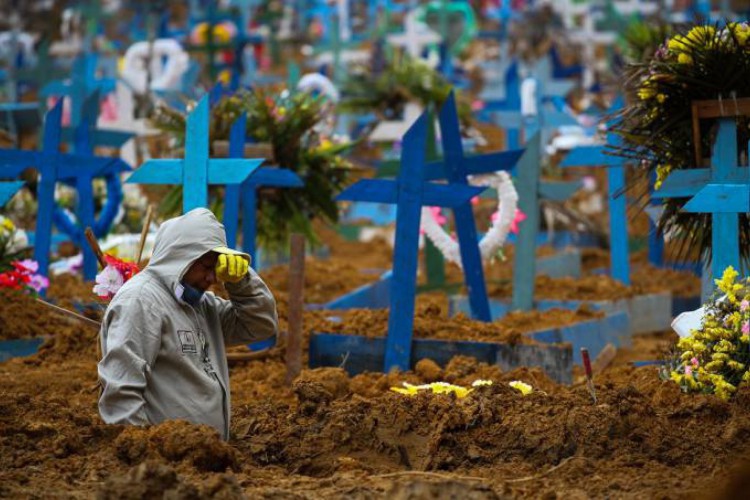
pixel 507 203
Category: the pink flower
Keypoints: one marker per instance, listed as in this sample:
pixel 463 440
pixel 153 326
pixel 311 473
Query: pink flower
pixel 38 282
pixel 746 327
pixel 518 218
pixel 437 214
pixel 688 370
pixel 475 201
pixel 695 362
pixel 108 282
pixel 744 305
pixel 495 216
pixel 31 265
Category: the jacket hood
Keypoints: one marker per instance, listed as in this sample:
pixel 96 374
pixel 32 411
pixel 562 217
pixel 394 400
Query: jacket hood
pixel 181 241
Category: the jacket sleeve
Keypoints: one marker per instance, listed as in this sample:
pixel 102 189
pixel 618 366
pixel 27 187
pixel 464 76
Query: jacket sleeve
pixel 250 314
pixel 130 341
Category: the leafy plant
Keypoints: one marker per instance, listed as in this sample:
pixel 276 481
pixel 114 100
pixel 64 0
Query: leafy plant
pixel 403 80
pixel 702 63
pixel 287 121
pixel 715 359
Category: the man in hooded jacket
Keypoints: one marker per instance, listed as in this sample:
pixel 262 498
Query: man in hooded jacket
pixel 163 336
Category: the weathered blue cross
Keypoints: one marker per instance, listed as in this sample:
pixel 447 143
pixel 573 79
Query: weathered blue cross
pixel 723 190
pixel 84 137
pixel 594 156
pixel 83 82
pixel 245 194
pixel 196 171
pixel 410 191
pixel 53 167
pixel 455 168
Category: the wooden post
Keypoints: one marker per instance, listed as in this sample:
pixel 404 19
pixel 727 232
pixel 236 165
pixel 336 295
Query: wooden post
pixel 94 244
pixel 144 235
pixel 296 303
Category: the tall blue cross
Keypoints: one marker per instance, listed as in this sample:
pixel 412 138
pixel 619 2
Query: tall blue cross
pixel 410 192
pixel 455 168
pixel 723 190
pixel 594 156
pixel 83 82
pixel 196 171
pixel 245 194
pixel 84 137
pixel 53 167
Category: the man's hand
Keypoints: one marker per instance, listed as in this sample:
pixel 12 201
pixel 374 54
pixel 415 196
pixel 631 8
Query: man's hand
pixel 231 268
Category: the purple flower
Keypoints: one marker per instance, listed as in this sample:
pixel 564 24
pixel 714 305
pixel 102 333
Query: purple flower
pixel 746 327
pixel 31 265
pixel 38 282
pixel 688 370
pixel 695 362
pixel 744 305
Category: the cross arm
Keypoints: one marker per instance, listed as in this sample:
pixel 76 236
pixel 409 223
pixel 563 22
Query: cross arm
pixel 15 161
pixel 475 165
pixel 683 183
pixel 281 177
pixel 589 156
pixel 720 198
pixel 386 191
pixel 101 137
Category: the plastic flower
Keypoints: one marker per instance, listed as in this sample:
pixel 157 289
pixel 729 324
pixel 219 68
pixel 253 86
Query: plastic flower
pixel 522 387
pixel 480 383
pixel 30 265
pixel 38 282
pixel 517 219
pixel 108 282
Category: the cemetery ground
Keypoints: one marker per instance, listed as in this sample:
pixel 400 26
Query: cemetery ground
pixel 334 436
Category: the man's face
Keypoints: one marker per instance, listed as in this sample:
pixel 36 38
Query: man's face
pixel 202 274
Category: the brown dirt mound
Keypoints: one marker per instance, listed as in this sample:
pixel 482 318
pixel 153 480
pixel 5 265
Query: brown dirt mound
pixel 177 441
pixel 431 322
pixel 594 287
pixel 22 317
pixel 151 479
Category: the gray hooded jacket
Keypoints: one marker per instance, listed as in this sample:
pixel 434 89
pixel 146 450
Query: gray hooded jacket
pixel 164 359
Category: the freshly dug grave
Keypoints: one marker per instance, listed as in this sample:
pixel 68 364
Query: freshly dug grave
pixel 595 287
pixel 432 322
pixel 331 436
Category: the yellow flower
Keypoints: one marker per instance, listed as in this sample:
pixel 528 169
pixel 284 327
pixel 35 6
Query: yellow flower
pixel 522 387
pixel 8 225
pixel 646 92
pixel 701 34
pixel 683 58
pixel 661 98
pixel 662 172
pixel 480 382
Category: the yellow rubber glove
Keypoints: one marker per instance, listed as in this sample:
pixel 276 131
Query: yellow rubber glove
pixel 231 268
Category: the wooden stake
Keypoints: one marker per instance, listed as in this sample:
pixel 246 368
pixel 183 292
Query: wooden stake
pixel 94 244
pixel 69 313
pixel 144 234
pixel 589 373
pixel 604 358
pixel 296 303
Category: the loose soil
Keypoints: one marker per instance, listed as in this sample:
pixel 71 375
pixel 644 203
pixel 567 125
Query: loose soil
pixel 333 436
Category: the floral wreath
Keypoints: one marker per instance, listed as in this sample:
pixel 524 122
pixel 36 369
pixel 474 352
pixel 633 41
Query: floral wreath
pixel 504 221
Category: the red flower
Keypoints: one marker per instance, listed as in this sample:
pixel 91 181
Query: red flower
pixel 126 269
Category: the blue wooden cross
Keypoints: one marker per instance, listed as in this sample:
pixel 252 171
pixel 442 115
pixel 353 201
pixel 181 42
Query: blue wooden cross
pixel 83 81
pixel 723 190
pixel 410 192
pixel 246 193
pixel 8 189
pixel 456 168
pixel 593 156
pixel 196 171
pixel 84 137
pixel 53 167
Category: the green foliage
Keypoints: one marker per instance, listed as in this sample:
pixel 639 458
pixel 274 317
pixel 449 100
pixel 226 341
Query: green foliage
pixel 402 81
pixel 287 122
pixel 642 39
pixel 702 63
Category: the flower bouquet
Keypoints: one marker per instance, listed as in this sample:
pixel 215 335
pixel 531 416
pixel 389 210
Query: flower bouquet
pixel 115 274
pixel 704 63
pixel 23 277
pixel 714 358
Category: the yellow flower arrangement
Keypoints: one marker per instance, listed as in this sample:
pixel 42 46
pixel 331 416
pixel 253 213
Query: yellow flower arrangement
pixel 715 358
pixel 439 388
